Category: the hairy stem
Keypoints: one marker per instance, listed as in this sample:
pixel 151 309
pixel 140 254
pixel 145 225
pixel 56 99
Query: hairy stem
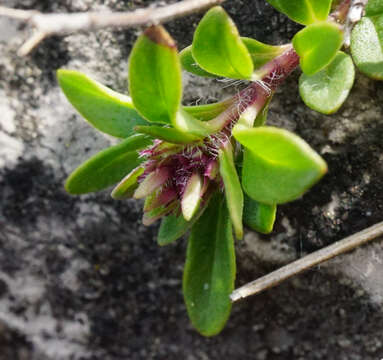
pixel 255 96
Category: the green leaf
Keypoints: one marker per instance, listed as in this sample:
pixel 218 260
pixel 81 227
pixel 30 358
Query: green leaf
pixel 326 91
pixel 189 64
pixel 305 12
pixel 170 135
pixel 186 123
pixel 208 111
pixel 233 189
pixel 127 186
pixel 278 166
pixel 218 48
pixel 317 45
pixel 374 8
pixel 172 228
pixel 155 81
pixel 210 269
pixel 259 217
pixel 260 54
pixel 107 167
pixel 105 109
pixel 367 46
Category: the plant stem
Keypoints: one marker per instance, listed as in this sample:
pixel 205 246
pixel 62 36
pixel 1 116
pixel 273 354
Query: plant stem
pixel 307 262
pixel 255 96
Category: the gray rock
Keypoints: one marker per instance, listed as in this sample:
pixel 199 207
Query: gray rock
pixel 81 278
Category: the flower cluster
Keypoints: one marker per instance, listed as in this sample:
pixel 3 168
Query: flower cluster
pixel 179 179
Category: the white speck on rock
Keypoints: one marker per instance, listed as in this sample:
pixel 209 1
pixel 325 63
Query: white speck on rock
pixel 332 206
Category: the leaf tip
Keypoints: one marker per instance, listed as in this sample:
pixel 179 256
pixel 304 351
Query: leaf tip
pixel 69 187
pixel 160 36
pixel 239 233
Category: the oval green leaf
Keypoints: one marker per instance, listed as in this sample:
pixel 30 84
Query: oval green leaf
pixel 305 12
pixel 210 269
pixel 107 167
pixel 189 64
pixel 317 45
pixel 327 90
pixel 106 110
pixel 260 54
pixel 233 189
pixel 367 46
pixel 278 165
pixel 218 48
pixel 259 217
pixel 155 79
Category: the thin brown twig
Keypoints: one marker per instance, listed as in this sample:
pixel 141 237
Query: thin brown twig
pixel 57 24
pixel 276 277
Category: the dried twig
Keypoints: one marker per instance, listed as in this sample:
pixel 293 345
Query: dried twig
pixel 308 262
pixel 57 24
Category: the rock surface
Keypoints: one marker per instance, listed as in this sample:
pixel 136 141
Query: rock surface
pixel 81 278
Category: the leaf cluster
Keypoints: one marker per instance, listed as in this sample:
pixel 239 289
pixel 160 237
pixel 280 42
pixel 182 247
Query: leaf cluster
pixel 210 169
